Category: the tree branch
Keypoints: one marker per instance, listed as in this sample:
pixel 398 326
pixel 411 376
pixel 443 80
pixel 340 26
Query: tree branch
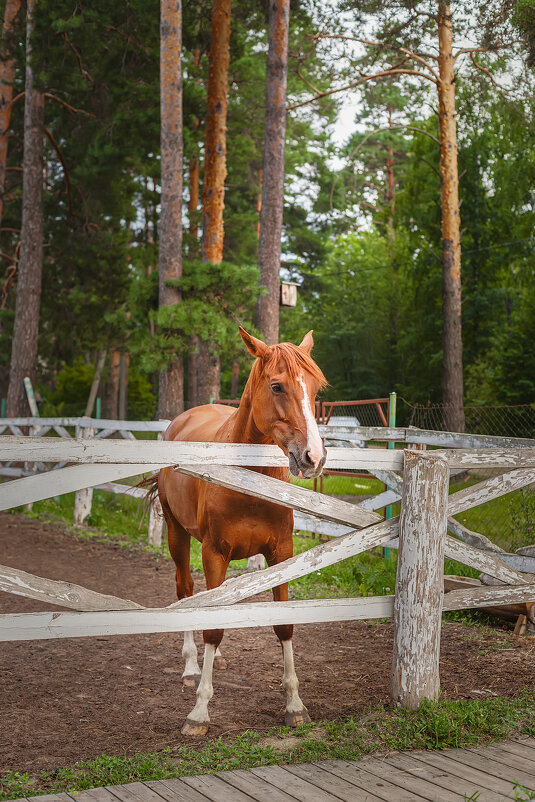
pixel 359 82
pixel 69 108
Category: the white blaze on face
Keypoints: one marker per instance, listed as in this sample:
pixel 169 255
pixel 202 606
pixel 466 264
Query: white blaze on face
pixel 314 444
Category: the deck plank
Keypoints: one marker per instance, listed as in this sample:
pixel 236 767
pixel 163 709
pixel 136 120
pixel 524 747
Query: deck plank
pixel 215 789
pixel 518 748
pixel 384 789
pixel 410 783
pixel 332 783
pixel 257 788
pixel 508 758
pixel 468 771
pixel 134 792
pixel 295 786
pixel 460 788
pixel 51 798
pixel 94 795
pixel 174 790
pixel 490 765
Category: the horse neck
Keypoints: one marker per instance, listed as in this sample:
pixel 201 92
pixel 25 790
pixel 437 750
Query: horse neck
pixel 243 428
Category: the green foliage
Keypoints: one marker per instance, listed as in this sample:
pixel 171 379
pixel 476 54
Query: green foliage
pixel 211 296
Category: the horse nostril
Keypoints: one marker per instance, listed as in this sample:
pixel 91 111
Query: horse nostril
pixel 308 459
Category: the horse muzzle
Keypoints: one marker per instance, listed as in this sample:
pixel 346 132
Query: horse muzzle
pixel 303 466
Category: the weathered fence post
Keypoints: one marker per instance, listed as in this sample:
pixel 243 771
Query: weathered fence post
pixel 83 499
pixel 420 579
pixel 155 523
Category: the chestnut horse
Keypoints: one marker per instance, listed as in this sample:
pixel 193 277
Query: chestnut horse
pixel 276 408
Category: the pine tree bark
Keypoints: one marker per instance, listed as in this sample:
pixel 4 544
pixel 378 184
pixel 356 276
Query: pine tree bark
pixel 215 171
pixel 269 246
pixel 7 76
pixel 171 384
pixel 26 325
pixel 452 376
pixel 111 400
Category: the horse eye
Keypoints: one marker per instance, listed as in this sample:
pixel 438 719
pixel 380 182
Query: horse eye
pixel 277 388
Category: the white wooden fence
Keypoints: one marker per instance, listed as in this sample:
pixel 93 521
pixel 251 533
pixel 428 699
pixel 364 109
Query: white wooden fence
pixel 420 534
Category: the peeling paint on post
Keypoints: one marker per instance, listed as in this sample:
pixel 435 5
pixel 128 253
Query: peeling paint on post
pixel 420 583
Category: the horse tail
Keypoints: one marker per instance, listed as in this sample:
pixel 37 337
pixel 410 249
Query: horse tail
pixel 151 482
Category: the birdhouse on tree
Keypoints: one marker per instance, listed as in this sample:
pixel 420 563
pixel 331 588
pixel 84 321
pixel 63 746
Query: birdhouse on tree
pixel 288 296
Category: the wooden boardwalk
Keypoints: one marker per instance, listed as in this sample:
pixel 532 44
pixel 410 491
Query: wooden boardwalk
pixel 489 774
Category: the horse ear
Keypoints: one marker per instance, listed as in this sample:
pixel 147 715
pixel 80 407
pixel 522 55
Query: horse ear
pixel 255 346
pixel 308 342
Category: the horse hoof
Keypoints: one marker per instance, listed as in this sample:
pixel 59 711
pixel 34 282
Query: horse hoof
pixel 220 664
pixel 191 680
pixel 196 729
pixel 295 719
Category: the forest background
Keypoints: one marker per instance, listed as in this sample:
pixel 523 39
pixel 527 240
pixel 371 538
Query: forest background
pixel 362 199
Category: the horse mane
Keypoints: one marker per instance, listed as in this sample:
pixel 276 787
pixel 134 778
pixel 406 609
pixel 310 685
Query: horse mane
pixel 296 361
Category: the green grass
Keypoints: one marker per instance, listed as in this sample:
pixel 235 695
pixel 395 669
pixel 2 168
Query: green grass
pixel 441 725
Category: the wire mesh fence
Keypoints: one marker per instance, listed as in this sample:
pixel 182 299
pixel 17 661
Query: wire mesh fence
pixel 509 521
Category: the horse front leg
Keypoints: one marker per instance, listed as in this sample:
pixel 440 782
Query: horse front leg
pixel 295 712
pixel 198 721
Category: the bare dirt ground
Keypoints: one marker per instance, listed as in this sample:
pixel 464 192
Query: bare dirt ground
pixel 65 700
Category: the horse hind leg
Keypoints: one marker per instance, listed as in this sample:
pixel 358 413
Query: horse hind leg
pixel 179 546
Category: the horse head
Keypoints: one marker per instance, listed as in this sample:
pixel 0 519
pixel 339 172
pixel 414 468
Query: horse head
pixel 282 390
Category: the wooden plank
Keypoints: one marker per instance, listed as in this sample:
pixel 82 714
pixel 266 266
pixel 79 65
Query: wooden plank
pixel 419 583
pixel 78 450
pixel 94 795
pixel 381 500
pixel 98 423
pixel 50 798
pixel 386 788
pixel 490 489
pixel 409 781
pixel 508 758
pixel 66 594
pixel 293 785
pixel 465 771
pixel 66 480
pixel 472 538
pixel 519 458
pixel 492 767
pixel 327 781
pixel 459 788
pixel 125 490
pixel 519 748
pixel 308 523
pixel 423 436
pixel 255 787
pixel 471 598
pixel 215 789
pixel 46 625
pixel 283 493
pixel 174 790
pixel 134 792
pixel 482 560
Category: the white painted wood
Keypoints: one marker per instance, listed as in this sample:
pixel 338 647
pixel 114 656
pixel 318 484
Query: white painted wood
pixel 422 436
pixel 484 561
pixel 472 538
pixel 66 594
pixel 389 478
pixel 490 489
pixel 95 423
pixel 122 490
pixel 491 458
pixel 155 529
pixel 78 450
pixel 283 493
pixel 420 579
pixel 39 626
pixel 381 500
pixel 308 523
pixel 66 480
pixel 83 499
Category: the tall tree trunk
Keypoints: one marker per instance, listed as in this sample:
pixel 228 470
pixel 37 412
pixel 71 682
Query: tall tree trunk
pixel 171 385
pixel 26 326
pixel 269 246
pixel 111 399
pixel 215 171
pixel 7 75
pixel 452 376
pixel 193 208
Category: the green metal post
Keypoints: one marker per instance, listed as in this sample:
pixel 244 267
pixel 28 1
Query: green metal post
pixel 98 409
pixel 391 444
pixel 3 409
